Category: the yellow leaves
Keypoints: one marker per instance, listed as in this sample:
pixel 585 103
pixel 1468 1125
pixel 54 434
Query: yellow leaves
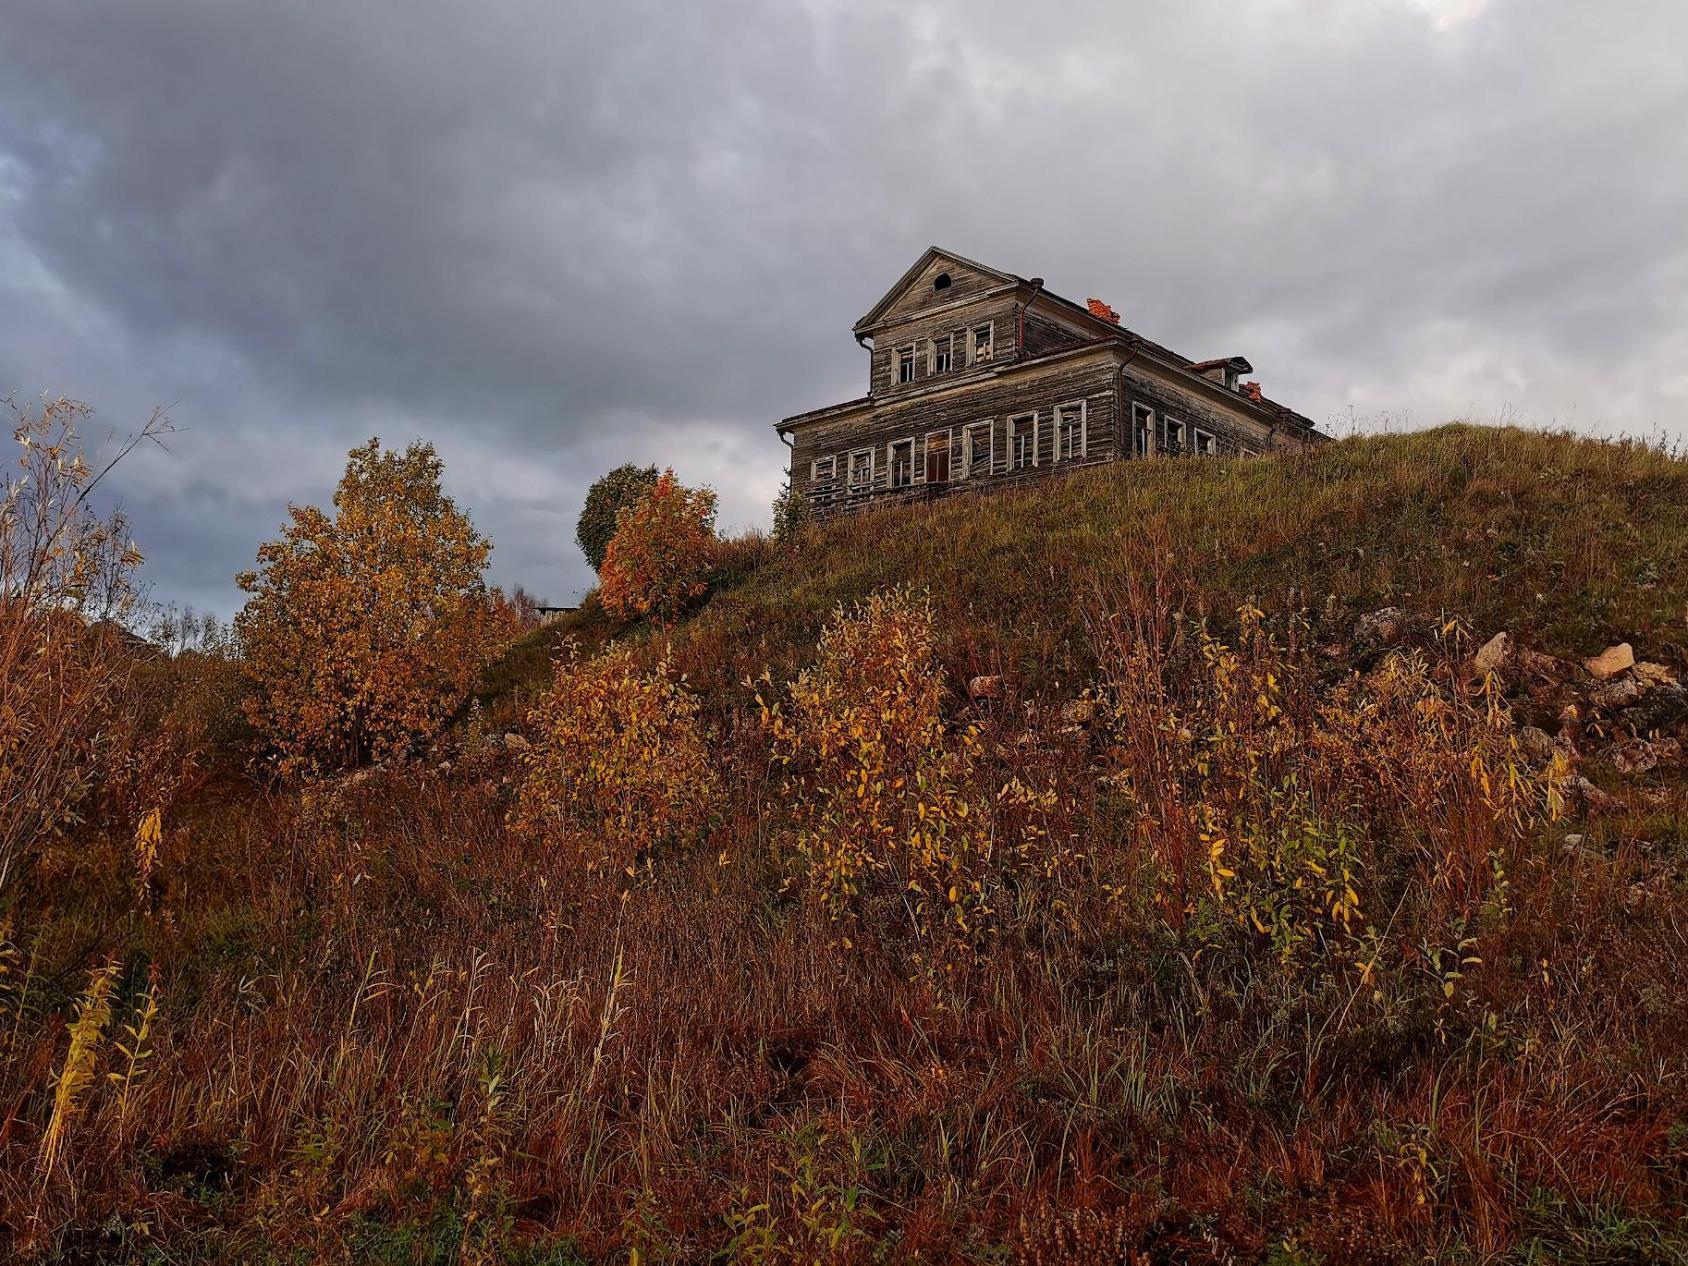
pixel 662 553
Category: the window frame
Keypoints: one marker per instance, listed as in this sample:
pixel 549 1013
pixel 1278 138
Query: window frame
pixel 1147 412
pixel 1013 452
pixel 1083 407
pixel 973 357
pixel 932 344
pixel 891 463
pixel 948 433
pixel 1172 434
pixel 850 484
pixel 988 425
pixel 912 352
pixel 815 476
pixel 1203 443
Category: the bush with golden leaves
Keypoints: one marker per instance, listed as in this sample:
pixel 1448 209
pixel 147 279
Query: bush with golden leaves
pixel 887 802
pixel 1298 813
pixel 367 627
pixel 662 554
pixel 618 764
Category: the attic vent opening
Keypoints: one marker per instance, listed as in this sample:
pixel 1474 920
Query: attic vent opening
pixel 941 282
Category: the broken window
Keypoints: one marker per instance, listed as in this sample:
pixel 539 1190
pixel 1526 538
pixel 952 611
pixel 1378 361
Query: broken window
pixel 902 463
pixel 941 354
pixel 1022 441
pixel 937 457
pixel 1142 429
pixel 905 365
pixel 1204 444
pixel 821 470
pixel 981 343
pixel 976 456
pixel 861 470
pixel 1171 441
pixel 1070 434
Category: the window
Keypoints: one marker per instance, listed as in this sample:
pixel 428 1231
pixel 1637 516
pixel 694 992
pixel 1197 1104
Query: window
pixel 1022 442
pixel 1070 430
pixel 941 282
pixel 901 463
pixel 905 364
pixel 1204 444
pixel 1171 440
pixel 976 454
pixel 937 457
pixel 821 470
pixel 940 354
pixel 1142 429
pixel 861 470
pixel 979 344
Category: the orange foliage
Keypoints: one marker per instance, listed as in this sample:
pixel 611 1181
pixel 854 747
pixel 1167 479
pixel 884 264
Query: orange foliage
pixel 367 628
pixel 662 554
pixel 618 764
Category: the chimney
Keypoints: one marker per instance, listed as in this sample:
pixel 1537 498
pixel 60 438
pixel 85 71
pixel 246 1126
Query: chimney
pixel 1251 390
pixel 1100 309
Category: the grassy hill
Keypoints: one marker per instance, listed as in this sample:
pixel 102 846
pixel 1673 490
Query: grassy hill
pixel 1567 543
pixel 1227 926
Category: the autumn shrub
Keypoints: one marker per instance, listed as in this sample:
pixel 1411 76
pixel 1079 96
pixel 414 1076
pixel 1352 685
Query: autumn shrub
pixel 618 764
pixel 367 627
pixel 65 590
pixel 663 552
pixel 892 811
pixel 1306 817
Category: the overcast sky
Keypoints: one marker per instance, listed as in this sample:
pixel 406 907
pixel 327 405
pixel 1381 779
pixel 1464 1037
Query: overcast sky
pixel 552 237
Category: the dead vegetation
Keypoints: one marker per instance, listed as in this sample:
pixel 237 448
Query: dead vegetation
pixel 1059 903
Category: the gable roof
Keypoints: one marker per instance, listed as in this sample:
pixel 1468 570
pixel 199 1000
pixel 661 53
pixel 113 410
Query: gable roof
pixel 932 254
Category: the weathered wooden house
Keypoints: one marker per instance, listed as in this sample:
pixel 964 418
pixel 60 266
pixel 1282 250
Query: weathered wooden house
pixel 979 379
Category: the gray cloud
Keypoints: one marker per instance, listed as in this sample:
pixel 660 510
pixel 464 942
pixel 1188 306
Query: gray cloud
pixel 551 237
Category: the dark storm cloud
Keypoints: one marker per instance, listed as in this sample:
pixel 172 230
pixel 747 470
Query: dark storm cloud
pixel 552 237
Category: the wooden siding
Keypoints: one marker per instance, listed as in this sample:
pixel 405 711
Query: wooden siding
pixel 1090 381
pixel 1233 430
pixel 956 322
pixel 918 295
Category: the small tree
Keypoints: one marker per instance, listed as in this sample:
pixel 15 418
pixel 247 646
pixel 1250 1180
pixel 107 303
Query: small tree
pixel 792 511
pixel 605 500
pixel 65 592
pixel 662 554
pixel 366 628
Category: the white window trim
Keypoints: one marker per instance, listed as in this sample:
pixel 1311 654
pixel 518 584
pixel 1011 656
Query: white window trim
pixel 932 354
pixel 897 379
pixel 1149 423
pixel 1212 449
pixel 973 357
pixel 891 461
pixel 967 432
pixel 815 476
pixel 948 433
pixel 1175 432
pixel 1083 407
pixel 1022 417
pixel 850 483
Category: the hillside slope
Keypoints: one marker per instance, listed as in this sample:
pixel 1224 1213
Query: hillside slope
pixel 1568 543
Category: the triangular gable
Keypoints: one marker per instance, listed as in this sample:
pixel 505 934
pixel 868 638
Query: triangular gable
pixel 913 290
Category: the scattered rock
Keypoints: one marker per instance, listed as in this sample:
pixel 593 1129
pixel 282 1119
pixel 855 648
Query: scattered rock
pixel 984 688
pixel 1079 712
pixel 444 767
pixel 1634 758
pixel 1619 692
pixel 1494 655
pixel 1654 674
pixel 1611 661
pixel 1383 627
pixel 1588 796
pixel 1544 666
pixel 1573 841
pixel 515 742
pixel 1536 743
